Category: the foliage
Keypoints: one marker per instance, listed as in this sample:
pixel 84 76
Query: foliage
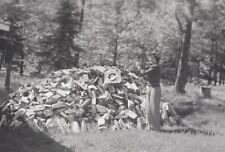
pixel 120 33
pixel 60 46
pixel 12 41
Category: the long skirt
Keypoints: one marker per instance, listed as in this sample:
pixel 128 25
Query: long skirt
pixel 153 107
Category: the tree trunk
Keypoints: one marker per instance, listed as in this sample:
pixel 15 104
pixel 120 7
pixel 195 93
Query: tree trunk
pixel 21 66
pixel 8 75
pixel 82 11
pixel 220 78
pixel 115 52
pixel 8 61
pixel 215 77
pixel 183 67
pixel 76 59
pixel 2 59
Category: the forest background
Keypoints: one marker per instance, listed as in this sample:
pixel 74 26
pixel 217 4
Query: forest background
pixel 188 35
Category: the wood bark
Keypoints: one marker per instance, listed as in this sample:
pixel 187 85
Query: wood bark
pixel 77 58
pixel 2 59
pixel 115 53
pixel 183 67
pixel 8 75
pixel 82 11
pixel 186 31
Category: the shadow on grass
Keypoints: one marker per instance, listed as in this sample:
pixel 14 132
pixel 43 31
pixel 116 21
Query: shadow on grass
pixel 24 139
pixel 214 105
pixel 189 130
pixel 200 105
pixel 218 99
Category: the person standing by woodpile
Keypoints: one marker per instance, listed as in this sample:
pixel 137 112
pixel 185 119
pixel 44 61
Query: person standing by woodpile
pixel 152 73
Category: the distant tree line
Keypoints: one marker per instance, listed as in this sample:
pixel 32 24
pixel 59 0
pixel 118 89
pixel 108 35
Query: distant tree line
pixel 187 34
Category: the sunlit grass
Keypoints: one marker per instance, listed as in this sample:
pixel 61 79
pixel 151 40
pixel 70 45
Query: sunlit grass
pixel 141 141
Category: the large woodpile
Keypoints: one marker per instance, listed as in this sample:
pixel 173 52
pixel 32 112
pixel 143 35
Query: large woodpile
pixel 72 100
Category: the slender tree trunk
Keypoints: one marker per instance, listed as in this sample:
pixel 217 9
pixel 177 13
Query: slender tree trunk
pixel 183 67
pixel 220 78
pixel 82 11
pixel 115 53
pixel 8 61
pixel 8 75
pixel 2 58
pixel 21 67
pixel 223 77
pixel 77 58
pixel 215 78
pixel 215 64
pixel 21 64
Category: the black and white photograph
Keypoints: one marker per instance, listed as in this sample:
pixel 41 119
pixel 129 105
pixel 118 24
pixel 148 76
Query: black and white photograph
pixel 112 75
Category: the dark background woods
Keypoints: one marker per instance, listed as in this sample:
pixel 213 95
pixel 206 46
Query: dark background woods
pixel 187 34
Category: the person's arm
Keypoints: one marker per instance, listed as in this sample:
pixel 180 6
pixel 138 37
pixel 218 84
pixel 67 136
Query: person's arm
pixel 149 70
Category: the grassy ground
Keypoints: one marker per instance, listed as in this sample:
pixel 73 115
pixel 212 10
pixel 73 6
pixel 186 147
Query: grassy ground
pixel 209 114
pixel 142 141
